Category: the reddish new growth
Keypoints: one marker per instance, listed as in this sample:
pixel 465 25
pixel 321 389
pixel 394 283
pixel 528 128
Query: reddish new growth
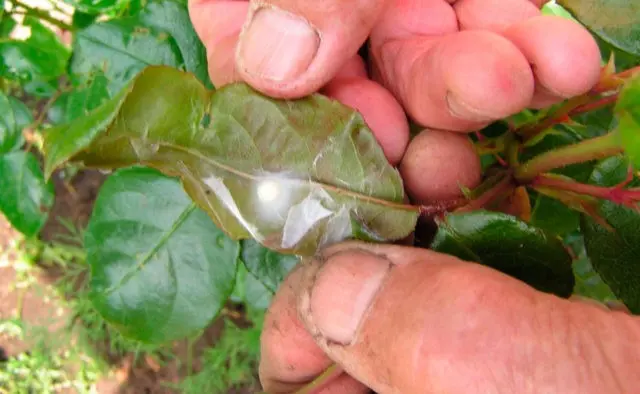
pixel 617 194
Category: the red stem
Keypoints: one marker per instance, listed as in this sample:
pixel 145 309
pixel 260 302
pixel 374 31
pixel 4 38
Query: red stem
pixel 440 207
pixel 616 194
pixel 603 102
pixel 560 116
pixel 629 73
pixel 488 196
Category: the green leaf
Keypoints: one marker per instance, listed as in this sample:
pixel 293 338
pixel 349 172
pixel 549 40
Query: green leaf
pixel 553 216
pixel 79 102
pixel 120 49
pixel 40 57
pixel 627 112
pixel 293 175
pixel 614 21
pixel 39 88
pixel 14 116
pixel 160 34
pixel 83 19
pixel 249 290
pixel 547 213
pixel 7 24
pixel 25 197
pixel 266 265
pixel 172 17
pixel 588 282
pixel 615 255
pixel 508 245
pixel 160 269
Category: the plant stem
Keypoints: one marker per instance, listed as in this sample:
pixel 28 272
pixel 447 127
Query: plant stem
pixel 629 73
pixel 601 103
pixel 591 149
pixel 321 381
pixel 41 14
pixel 487 197
pixel 440 207
pixel 616 194
pixel 560 115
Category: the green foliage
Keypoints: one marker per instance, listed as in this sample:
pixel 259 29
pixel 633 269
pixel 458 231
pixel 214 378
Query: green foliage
pixel 615 21
pixel 161 270
pixel 14 116
pixel 614 252
pixel 40 57
pixel 232 363
pixel 309 174
pixel 217 193
pixel 42 370
pixel 527 253
pixel 25 197
pixel 266 265
pixel 628 116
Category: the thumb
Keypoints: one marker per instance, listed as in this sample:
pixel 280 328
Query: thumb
pixel 406 320
pixel 291 48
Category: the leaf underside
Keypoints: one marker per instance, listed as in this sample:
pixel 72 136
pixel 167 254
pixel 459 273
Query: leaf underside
pixel 293 175
pixel 614 21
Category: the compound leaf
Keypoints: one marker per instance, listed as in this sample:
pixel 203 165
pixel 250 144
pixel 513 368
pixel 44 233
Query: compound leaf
pixel 161 270
pixel 509 245
pixel 294 175
pixel 615 255
pixel 25 197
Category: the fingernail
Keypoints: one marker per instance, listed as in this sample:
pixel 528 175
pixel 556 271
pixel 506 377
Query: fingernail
pixel 341 293
pixel 277 45
pixel 462 110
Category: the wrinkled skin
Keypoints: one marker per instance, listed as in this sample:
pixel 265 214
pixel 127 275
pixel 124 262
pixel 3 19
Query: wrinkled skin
pixel 399 319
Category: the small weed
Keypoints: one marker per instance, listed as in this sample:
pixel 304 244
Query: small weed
pixel 231 362
pixel 44 369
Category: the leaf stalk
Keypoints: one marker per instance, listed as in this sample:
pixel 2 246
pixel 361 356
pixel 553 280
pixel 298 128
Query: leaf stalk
pixel 616 194
pixel 585 151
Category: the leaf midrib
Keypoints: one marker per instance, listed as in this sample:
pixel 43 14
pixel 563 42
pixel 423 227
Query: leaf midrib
pixel 146 258
pixel 115 49
pixel 332 188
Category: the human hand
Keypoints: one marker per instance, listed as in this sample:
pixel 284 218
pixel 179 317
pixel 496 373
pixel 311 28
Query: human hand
pixel 406 320
pixel 449 65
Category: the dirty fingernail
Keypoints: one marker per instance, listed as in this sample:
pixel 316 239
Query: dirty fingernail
pixel 342 292
pixel 277 45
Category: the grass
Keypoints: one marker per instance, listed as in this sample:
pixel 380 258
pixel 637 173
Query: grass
pixel 75 357
pixel 44 369
pixel 231 363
